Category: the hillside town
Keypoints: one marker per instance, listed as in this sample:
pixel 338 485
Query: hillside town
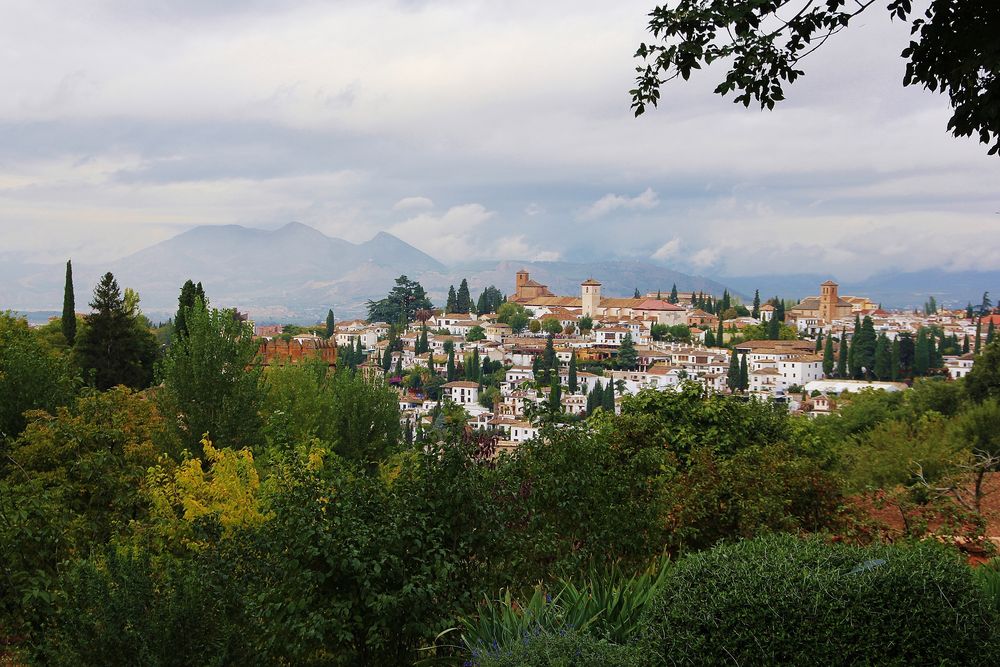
pixel 534 357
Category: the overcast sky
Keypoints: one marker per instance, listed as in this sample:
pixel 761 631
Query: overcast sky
pixel 472 130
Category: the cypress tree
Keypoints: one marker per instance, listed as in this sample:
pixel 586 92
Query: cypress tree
pixel 968 311
pixel 883 358
pixel 399 367
pixel 555 396
pixel 733 374
pixel 709 338
pixel 571 380
pixel 69 307
pixel 774 327
pixel 779 309
pixel 932 352
pixel 636 295
pixel 755 312
pixel 819 341
pixel 185 302
pixel 331 324
pixel 628 358
pixel 430 363
pixel 896 365
pixel 387 359
pixel 744 374
pixel 451 365
pixel 965 344
pixel 828 361
pixel 979 335
pixel 673 294
pixel 842 355
pixel 451 305
pixel 720 338
pixel 990 332
pixel 609 396
pixel 463 300
pixel 921 354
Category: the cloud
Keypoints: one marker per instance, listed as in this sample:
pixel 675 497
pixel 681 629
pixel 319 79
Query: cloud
pixel 644 201
pixel 410 203
pixel 705 258
pixel 668 250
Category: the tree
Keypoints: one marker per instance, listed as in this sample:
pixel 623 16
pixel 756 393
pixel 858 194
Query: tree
pixel 986 304
pixel 983 381
pixel 733 374
pixel 571 380
pixel 551 325
pixel 930 307
pixel 828 356
pixel 990 332
pixel 922 353
pixel 451 365
pixel 862 354
pixel 744 374
pixel 330 324
pixel 534 326
pixel 979 335
pixel 463 300
pixel 710 338
pixel 422 343
pixel 190 293
pixel 451 305
pixel 585 324
pixel 819 341
pixel 774 327
pixel 628 358
pixel 69 307
pixel 114 348
pixel 720 338
pixel 636 295
pixel 401 304
pixel 755 312
pixel 211 381
pixel 883 358
pixel 842 355
pixel 475 333
pixel 489 301
pixel 555 396
pixel 896 365
pixel 673 294
pixel 952 51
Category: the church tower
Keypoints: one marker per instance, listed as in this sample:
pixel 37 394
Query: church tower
pixel 828 300
pixel 590 293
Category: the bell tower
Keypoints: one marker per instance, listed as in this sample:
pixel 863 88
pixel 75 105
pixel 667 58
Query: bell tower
pixel 828 300
pixel 590 297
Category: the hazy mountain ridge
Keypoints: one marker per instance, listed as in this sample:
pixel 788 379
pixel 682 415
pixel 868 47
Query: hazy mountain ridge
pixel 296 273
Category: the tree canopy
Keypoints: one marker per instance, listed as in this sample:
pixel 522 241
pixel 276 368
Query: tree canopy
pixel 953 50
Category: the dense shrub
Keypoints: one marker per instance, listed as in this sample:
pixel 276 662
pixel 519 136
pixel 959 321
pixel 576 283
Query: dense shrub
pixel 561 649
pixel 782 600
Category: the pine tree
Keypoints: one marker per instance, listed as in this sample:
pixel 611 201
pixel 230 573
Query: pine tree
pixel 430 363
pixel 628 358
pixel 896 365
pixel 779 309
pixel 463 300
pixel 968 311
pixel 114 348
pixel 451 305
pixel 69 307
pixel 842 355
pixel 755 312
pixel 733 375
pixel 673 294
pixel 744 374
pixel 387 359
pixel 331 324
pixel 398 372
pixel 828 360
pixel 571 380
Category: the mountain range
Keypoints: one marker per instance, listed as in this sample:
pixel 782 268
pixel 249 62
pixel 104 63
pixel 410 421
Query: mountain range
pixel 296 273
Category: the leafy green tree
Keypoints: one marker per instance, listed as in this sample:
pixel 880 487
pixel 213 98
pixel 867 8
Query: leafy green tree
pixel 710 338
pixel 819 342
pixel 983 381
pixel 922 353
pixel 551 326
pixel 720 338
pixel 489 301
pixel 986 304
pixel 212 382
pixel 774 328
pixel 32 377
pixel 401 304
pixel 585 324
pixel 862 356
pixel 69 307
pixel 114 348
pixel 627 356
pixel 828 360
pixel 979 335
pixel 331 324
pixel 190 293
pixel 463 300
pixel 951 51
pixel 450 374
pixel 475 333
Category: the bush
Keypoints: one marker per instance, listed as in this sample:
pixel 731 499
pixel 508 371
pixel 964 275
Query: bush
pixel 561 649
pixel 783 600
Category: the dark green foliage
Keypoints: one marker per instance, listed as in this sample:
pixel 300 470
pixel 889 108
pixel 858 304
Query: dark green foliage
pixel 842 354
pixel 733 374
pixel 744 375
pixel 119 608
pixel 31 376
pixel 952 50
pixel 190 294
pixel 784 600
pixel 774 327
pixel 489 301
pixel 561 649
pixel 69 307
pixel 627 356
pixel 463 300
pixel 571 379
pixel 983 381
pixel 883 358
pixel 828 356
pixel 755 311
pixel 400 306
pixel 450 372
pixel 451 305
pixel 922 358
pixel 115 348
pixel 673 294
pixel 330 324
pixel 211 382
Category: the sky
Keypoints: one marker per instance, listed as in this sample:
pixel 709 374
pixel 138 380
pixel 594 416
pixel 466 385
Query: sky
pixel 473 130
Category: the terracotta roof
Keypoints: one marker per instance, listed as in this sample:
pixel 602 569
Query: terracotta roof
pixel 590 282
pixel 829 283
pixel 464 384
